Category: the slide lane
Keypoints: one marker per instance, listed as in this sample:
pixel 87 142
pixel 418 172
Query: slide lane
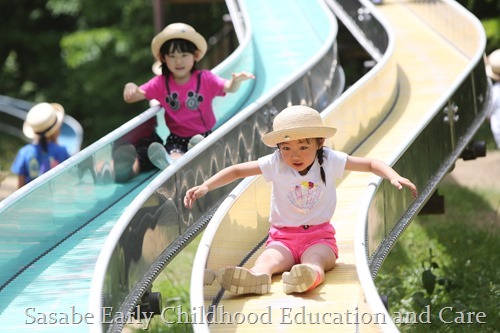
pixel 429 66
pixel 313 79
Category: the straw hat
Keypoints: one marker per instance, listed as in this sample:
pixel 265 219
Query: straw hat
pixel 178 31
pixel 493 66
pixel 295 123
pixel 156 68
pixel 43 119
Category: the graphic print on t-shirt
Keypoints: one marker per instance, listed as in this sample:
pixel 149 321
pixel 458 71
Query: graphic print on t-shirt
pixel 192 100
pixel 39 167
pixel 33 168
pixel 304 195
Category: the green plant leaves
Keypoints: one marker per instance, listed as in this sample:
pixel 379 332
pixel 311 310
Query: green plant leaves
pixel 428 281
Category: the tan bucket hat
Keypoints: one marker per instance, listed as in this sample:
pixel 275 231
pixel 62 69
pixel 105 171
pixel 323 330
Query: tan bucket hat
pixel 297 122
pixel 493 65
pixel 43 119
pixel 178 31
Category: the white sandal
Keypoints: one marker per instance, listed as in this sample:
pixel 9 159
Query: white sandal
pixel 240 281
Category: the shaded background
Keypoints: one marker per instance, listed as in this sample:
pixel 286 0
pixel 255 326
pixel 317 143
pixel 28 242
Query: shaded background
pixel 81 53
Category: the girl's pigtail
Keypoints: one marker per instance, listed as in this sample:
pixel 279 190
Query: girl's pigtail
pixel 43 143
pixel 164 69
pixel 319 154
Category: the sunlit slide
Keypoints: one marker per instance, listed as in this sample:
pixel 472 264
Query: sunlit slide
pixel 417 110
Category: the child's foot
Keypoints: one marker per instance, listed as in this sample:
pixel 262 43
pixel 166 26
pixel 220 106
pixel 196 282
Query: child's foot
pixel 209 277
pixel 301 278
pixel 159 156
pixel 195 140
pixel 124 159
pixel 239 280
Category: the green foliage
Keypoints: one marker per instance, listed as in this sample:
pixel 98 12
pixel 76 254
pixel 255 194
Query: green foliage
pixel 482 8
pixel 428 277
pixel 85 47
pixel 174 284
pixel 64 7
pixel 492 29
pixel 448 261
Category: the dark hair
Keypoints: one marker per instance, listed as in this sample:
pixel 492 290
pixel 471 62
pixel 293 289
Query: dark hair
pixel 180 45
pixel 319 154
pixel 43 143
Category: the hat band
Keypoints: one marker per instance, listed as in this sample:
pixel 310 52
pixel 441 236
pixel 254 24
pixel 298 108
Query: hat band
pixel 48 129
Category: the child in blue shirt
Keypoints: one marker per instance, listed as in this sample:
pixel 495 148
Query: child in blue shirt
pixel 42 125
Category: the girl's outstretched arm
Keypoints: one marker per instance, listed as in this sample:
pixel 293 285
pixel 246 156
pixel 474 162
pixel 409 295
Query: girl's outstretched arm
pixel 221 178
pixel 236 79
pixel 380 169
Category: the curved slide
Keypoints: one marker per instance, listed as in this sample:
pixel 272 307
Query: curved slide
pixel 53 230
pixel 305 59
pixel 433 67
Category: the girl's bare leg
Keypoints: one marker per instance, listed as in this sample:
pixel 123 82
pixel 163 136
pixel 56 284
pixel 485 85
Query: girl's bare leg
pixel 175 155
pixel 274 259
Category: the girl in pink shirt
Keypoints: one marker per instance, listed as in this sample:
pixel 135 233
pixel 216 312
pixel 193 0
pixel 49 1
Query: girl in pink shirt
pixel 184 92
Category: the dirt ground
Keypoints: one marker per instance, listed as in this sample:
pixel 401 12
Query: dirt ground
pixel 7 186
pixel 481 172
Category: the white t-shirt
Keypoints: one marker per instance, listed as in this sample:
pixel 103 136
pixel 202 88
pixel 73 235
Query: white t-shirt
pixel 302 200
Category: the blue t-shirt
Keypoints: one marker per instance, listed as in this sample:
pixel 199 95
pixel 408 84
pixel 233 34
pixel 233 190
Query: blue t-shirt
pixel 31 161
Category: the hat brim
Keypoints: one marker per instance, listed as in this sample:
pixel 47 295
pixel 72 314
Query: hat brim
pixel 271 139
pixel 156 68
pixel 191 36
pixel 30 134
pixel 491 74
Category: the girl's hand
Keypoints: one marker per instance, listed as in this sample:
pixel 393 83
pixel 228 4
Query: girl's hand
pixel 236 79
pixel 132 93
pixel 399 182
pixel 239 77
pixel 129 91
pixel 194 193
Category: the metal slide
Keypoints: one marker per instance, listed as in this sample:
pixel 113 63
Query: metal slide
pixel 54 230
pixel 417 111
pixel 297 44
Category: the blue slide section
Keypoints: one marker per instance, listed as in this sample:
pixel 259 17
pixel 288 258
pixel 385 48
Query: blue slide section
pixel 51 236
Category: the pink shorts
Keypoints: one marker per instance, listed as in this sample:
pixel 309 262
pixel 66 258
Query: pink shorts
pixel 298 239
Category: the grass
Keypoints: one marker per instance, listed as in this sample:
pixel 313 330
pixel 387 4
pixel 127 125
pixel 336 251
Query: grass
pixel 460 249
pixel 448 263
pixel 174 285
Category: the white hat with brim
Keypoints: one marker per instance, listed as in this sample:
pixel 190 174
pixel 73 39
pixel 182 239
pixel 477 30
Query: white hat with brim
pixel 43 119
pixel 493 65
pixel 295 123
pixel 178 31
